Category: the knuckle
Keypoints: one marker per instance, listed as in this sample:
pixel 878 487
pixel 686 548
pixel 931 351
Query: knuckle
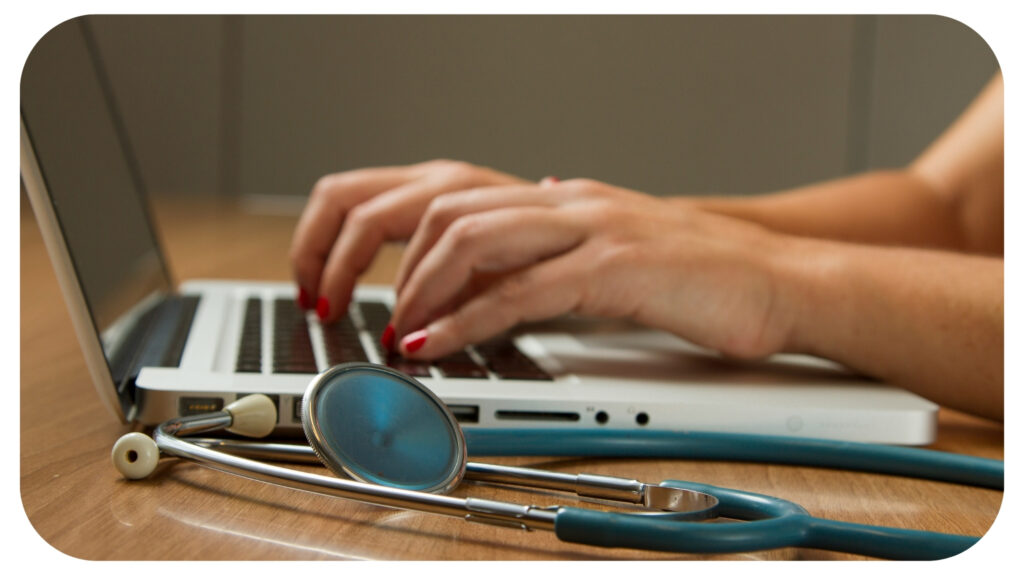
pixel 600 214
pixel 442 210
pixel 438 163
pixel 459 321
pixel 582 187
pixel 513 289
pixel 465 231
pixel 363 217
pixel 325 186
pixel 458 171
pixel 619 255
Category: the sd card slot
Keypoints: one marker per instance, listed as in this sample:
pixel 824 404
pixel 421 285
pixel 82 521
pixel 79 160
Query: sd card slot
pixel 525 415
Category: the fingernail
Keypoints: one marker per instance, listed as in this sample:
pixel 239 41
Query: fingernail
pixel 549 181
pixel 387 339
pixel 414 340
pixel 303 299
pixel 322 307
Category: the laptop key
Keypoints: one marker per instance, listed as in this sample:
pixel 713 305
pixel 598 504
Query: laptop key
pixel 460 365
pixel 249 349
pixel 341 342
pixel 293 349
pixel 507 362
pixel 411 367
pixel 376 316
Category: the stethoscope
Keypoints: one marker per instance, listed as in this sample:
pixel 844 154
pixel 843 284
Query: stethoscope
pixel 405 450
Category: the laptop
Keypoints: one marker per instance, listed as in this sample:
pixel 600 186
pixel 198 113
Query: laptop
pixel 156 350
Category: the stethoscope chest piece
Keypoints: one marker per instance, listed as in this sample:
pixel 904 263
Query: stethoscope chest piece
pixel 380 426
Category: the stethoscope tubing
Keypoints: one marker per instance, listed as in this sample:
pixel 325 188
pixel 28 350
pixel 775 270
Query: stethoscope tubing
pixel 874 458
pixel 770 523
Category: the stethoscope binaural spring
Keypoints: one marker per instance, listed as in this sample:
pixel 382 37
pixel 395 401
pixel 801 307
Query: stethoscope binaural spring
pixel 405 450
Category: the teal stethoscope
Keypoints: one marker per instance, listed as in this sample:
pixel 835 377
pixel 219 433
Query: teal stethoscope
pixel 405 450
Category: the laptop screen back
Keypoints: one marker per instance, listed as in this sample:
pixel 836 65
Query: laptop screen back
pixel 95 192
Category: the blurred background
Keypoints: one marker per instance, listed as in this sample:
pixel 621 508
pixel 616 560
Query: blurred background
pixel 261 106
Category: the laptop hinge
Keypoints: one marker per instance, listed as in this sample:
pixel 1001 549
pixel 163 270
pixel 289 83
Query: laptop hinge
pixel 156 340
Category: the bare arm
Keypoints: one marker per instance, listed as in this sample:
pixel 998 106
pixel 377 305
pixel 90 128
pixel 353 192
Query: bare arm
pixel 928 321
pixel 950 197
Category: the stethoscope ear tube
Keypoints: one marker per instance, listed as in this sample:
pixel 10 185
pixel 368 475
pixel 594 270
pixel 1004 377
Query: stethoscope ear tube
pixel 772 523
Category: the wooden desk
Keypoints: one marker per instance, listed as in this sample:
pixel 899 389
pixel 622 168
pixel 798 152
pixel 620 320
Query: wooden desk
pixel 79 504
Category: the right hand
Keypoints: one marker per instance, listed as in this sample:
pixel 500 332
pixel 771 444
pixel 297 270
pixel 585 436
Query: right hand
pixel 350 214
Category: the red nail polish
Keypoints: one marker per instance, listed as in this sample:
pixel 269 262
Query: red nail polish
pixel 387 339
pixel 303 299
pixel 414 340
pixel 322 307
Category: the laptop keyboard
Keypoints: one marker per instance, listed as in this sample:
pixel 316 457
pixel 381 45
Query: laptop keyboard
pixel 293 346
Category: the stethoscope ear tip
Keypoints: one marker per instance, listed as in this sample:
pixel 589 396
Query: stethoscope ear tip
pixel 135 455
pixel 252 416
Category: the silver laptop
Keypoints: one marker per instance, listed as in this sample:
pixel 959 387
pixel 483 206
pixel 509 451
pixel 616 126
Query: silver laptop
pixel 155 350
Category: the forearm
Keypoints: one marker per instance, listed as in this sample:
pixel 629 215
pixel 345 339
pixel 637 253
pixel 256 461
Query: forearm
pixel 928 321
pixel 886 208
pixel 950 197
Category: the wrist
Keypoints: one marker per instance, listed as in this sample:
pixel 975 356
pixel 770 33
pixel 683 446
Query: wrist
pixel 800 269
pixel 811 275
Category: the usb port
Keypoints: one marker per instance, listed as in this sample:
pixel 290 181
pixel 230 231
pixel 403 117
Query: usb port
pixel 196 405
pixel 465 413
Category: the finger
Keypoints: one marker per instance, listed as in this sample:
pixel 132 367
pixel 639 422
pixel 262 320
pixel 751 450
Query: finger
pixel 392 215
pixel 444 210
pixel 494 241
pixel 321 220
pixel 545 290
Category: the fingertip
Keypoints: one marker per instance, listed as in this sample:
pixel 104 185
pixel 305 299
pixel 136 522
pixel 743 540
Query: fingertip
pixel 434 341
pixel 330 310
pixel 387 339
pixel 303 299
pixel 548 181
pixel 414 342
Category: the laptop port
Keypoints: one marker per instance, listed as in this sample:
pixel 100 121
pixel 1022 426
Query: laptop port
pixel 642 418
pixel 537 415
pixel 465 413
pixel 197 405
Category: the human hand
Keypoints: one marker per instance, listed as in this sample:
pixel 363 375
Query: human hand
pixel 482 261
pixel 350 214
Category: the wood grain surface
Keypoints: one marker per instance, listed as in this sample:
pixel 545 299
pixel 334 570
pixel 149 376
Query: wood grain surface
pixel 79 504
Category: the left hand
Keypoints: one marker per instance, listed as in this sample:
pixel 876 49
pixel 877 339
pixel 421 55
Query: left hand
pixel 485 260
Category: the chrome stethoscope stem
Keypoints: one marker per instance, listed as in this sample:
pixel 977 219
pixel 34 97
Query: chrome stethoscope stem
pixel 479 510
pixel 655 497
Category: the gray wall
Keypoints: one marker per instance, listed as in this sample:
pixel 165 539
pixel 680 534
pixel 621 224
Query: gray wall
pixel 665 104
